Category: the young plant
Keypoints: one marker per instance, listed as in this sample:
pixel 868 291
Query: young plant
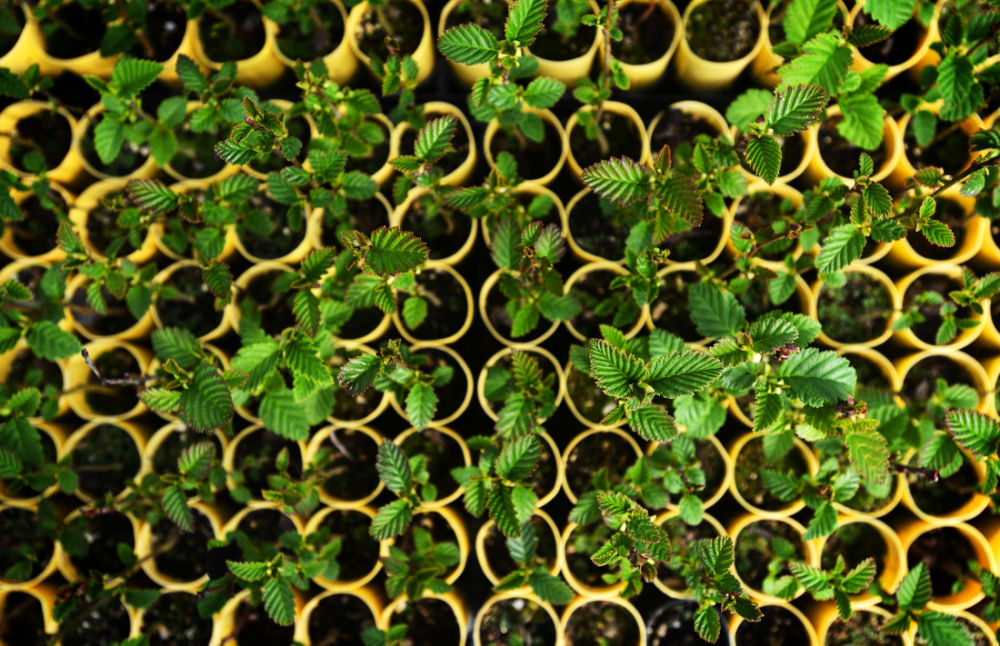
pixel 972 292
pixel 532 571
pixel 423 569
pixel 527 395
pixel 837 583
pixel 911 599
pixel 22 457
pixel 594 94
pixel 636 545
pixel 408 479
pixel 980 436
pixel 831 484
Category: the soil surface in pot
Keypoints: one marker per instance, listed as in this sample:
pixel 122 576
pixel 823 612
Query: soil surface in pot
pixel 792 149
pixel 255 628
pixel 165 27
pixel 898 47
pixel 112 400
pixel 339 619
pixel 358 550
pixel 673 625
pixel 255 457
pixel 534 158
pixel 445 232
pixel 920 381
pixel 275 312
pixel 375 158
pixel 946 552
pixel 488 14
pixel 297 127
pixel 777 627
pixel 761 211
pixel 499 557
pixel 856 312
pixel 862 628
pixel 103 232
pixel 599 450
pixel 365 216
pixel 173 620
pixel 192 307
pixel 325 34
pixel 676 126
pixel 670 309
pixel 722 30
pixel 232 33
pixel 46 133
pixel 72 30
pixel 105 460
pixel 402 17
pixel 600 227
pixel 103 533
pixel 101 626
pixel 36 233
pixel 557 46
pixel 648 32
pixel 195 157
pixel 591 289
pixel 23 620
pixel 447 306
pixel 11 23
pixel 265 228
pixel 351 475
pixel 20 527
pixel 27 370
pixel 951 213
pixel 754 550
pixel 589 400
pixel 181 554
pixel 682 537
pixel 428 621
pixel 621 133
pixel 855 542
pixel 946 495
pixel 266 525
pixel 949 150
pixel 840 155
pixel 512 619
pixel 602 622
pixel 129 158
pixel 749 462
pixel 940 284
pixel 442 454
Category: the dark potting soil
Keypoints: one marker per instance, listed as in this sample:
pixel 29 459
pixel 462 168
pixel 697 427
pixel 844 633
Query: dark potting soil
pixel 265 525
pixel 195 157
pixel 673 625
pixel 722 30
pixel 375 159
pixel 352 407
pixel 856 312
pixel 232 33
pixel 193 308
pixel 869 373
pixel 319 40
pixel 167 453
pixel 297 127
pixel 621 133
pixel 543 478
pixel 358 550
pixel 946 495
pixel 116 319
pixel 184 555
pixel 47 133
pixel 105 460
pixel 682 536
pixel 759 212
pixel 255 628
pixel 11 23
pixel 582 542
pixel 101 626
pixel 590 290
pixel 756 300
pixel 351 477
pixel 697 243
pixel 173 620
pixel 338 620
pixel 855 542
pixel 445 232
pixel 20 530
pixel 940 284
pixel 449 161
pixel 946 553
pixel 102 229
pixel 276 313
pixel 602 622
pixel 713 466
pixel 265 229
pixel 27 370
pixel 488 14
pixel 103 533
pixel 596 451
pixel 670 309
pixel 921 381
pixel 259 449
pixel 600 227
pixel 534 159
pixel 512 619
pixel 165 26
pixel 36 233
pixel 23 620
pixel 898 47
pixel 751 460
pixel 863 627
pixel 840 155
pixel 589 400
pixel 951 213
pixel 447 306
pixel 950 152
pixel 499 556
pixel 362 321
pixel 130 156
pixel 555 46
pixel 793 147
pixel 405 24
pixel 364 215
pixel 676 126
pixel 428 621
pixel 778 627
pixel 441 453
pixel 72 30
pixel 648 32
pixel 112 400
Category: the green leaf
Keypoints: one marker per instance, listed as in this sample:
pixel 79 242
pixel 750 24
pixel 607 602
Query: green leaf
pixel 923 125
pixel 716 554
pixel 955 81
pixel 284 416
pixel 394 251
pixel 524 20
pixel 206 403
pixel 805 19
pixel 195 461
pixel 279 601
pixel 763 154
pixel 543 92
pixel 258 361
pixel 915 589
pixel 890 13
pixel 616 371
pixel 652 423
pixel 421 404
pixel 975 431
pixel 109 135
pixel 391 520
pixel 131 76
pixel 795 108
pixel 706 623
pixel 620 180
pixel 10 465
pixel 863 120
pixel 141 598
pixel 163 145
pixel 305 307
pixel 690 509
pixel 682 373
pixel 549 587
pixel 393 467
pixel 748 107
pixel 818 377
pixel 878 202
pixel 175 506
pixel 772 332
pixel 190 75
pixel 519 458
pixel 859 578
pixel 178 344
pixel 938 233
pixel 501 507
pixel 715 313
pixel 434 139
pixel 248 570
pixel 414 311
pixel 359 373
pixel 48 341
pixel 824 61
pixel 823 523
pixel 940 629
pixel 469 44
pixel 842 246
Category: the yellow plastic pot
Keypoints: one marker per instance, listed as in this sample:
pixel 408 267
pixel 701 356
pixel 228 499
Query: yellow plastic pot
pixel 27 49
pixel 922 55
pixel 146 169
pixel 368 596
pixel 484 294
pixel 136 331
pixel 615 434
pixel 314 232
pixel 548 361
pixel 817 169
pixel 533 188
pixel 609 267
pixel 765 64
pixel 233 313
pixel 442 500
pixel 569 70
pixel 973 507
pixel 783 191
pixel 230 464
pixel 463 370
pixel 877 276
pixel 78 376
pixel 580 601
pixel 703 74
pixel 69 168
pixel 707 518
pixel 901 176
pixel 13 271
pixel 494 126
pixel 975 230
pixel 47 568
pixel 321 441
pixel 617 108
pixel 824 615
pixel 200 182
pixel 467 74
pixel 571 372
pixel 765 514
pixel 483 557
pixel 164 278
pixel 702 111
pixel 401 218
pixel 8 243
pixel 44 593
pixel 641 75
pixel 260 69
pixel 340 62
pixel 411 336
pixel 525 596
pixel 316 523
pixel 423 56
pixel 894 568
pixel 90 199
pixel 908 337
pixel 144 551
pixel 224 624
pixel 454 603
pixel 727 463
pixel 973 369
pixel 810 552
pixel 91 63
pixel 434 110
pixel 457 526
pixel 137 433
pixel 65 561
pixel 296 255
